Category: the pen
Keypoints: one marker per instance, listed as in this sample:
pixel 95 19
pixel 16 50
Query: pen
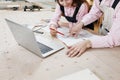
pixel 36 31
pixel 57 31
pixel 106 30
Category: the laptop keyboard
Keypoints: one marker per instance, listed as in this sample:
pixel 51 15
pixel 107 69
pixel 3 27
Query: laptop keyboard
pixel 44 49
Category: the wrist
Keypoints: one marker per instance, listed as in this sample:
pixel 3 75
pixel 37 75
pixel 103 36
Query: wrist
pixel 80 25
pixel 88 43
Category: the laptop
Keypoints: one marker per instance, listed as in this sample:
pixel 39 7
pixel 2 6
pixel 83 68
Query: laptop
pixel 39 45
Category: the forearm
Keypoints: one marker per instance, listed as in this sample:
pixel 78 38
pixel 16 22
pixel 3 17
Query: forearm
pixel 63 24
pixel 104 41
pixel 93 14
pixel 113 37
pixel 56 17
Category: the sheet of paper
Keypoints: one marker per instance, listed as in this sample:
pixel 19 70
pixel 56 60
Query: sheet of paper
pixel 81 75
pixel 71 40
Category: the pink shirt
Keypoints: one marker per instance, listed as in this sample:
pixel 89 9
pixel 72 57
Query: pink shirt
pixel 113 37
pixel 69 11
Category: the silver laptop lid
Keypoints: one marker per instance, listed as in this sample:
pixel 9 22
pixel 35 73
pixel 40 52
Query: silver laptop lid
pixel 24 37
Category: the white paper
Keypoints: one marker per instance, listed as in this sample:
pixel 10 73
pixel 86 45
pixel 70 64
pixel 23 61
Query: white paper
pixel 81 75
pixel 71 40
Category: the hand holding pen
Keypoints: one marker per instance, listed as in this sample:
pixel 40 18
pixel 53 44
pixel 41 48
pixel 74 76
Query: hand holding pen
pixel 53 31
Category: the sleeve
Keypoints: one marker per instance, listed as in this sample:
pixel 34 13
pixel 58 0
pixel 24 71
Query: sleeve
pixel 93 14
pixel 113 37
pixel 56 16
pixel 82 11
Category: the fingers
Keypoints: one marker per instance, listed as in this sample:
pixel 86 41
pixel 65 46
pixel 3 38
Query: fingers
pixel 73 51
pixel 53 30
pixel 74 33
pixel 53 33
pixel 76 52
pixel 71 34
pixel 77 49
pixel 70 49
pixel 80 53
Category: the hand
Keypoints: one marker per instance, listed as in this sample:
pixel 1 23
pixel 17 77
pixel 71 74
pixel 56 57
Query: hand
pixel 78 48
pixel 53 32
pixel 76 29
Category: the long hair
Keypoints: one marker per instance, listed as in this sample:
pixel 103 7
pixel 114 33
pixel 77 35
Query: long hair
pixel 76 2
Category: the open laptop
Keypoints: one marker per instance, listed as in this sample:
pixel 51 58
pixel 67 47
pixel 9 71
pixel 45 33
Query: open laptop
pixel 39 45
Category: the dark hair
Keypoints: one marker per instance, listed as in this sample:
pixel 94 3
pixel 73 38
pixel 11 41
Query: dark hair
pixel 76 2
